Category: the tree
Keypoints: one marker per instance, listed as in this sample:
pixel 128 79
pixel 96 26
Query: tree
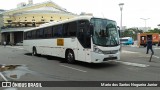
pixel 155 30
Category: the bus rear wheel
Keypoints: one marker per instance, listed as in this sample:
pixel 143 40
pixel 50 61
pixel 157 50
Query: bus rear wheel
pixel 34 51
pixel 70 56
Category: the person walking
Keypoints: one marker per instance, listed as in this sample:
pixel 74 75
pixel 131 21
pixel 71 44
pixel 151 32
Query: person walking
pixel 149 45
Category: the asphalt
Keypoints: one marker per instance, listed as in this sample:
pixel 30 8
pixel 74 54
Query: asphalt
pixel 48 68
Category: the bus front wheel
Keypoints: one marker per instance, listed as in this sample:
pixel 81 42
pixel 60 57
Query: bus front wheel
pixel 70 56
pixel 34 51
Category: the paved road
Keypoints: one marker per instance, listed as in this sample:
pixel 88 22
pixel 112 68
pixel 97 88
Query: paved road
pixel 133 66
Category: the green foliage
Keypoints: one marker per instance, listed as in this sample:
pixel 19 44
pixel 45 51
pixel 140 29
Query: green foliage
pixel 155 30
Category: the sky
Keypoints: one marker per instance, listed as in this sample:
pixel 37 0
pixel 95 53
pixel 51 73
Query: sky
pixel 133 10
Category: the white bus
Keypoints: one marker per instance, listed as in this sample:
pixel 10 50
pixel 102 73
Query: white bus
pixel 84 38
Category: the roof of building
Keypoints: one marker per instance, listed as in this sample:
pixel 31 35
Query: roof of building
pixel 46 9
pixel 27 6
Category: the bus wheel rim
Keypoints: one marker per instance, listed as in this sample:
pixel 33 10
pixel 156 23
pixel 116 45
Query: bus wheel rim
pixel 70 57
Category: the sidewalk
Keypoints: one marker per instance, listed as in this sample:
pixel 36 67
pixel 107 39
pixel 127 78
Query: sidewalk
pixel 16 47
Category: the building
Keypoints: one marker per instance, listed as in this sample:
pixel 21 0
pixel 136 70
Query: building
pixel 1 17
pixel 28 16
pixel 1 22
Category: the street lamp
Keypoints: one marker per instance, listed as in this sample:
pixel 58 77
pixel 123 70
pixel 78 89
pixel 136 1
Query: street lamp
pixel 145 19
pixel 121 8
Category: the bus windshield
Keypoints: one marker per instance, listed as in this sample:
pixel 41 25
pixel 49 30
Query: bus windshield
pixel 105 32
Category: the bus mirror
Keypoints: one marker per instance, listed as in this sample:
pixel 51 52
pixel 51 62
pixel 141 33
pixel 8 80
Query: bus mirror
pixel 119 32
pixel 91 29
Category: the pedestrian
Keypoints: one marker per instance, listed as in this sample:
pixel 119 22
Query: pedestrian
pixel 149 45
pixel 4 43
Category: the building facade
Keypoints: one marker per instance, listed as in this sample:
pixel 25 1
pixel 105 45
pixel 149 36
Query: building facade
pixel 1 22
pixel 28 16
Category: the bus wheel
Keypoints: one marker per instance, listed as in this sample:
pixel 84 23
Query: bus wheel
pixel 70 56
pixel 34 51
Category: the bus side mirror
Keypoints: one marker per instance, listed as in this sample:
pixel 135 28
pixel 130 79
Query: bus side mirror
pixel 91 29
pixel 119 32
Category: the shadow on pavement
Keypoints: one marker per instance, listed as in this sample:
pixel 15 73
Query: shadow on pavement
pixel 108 64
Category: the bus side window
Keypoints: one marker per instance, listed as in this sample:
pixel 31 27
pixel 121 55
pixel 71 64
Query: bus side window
pixel 33 34
pixel 29 35
pixel 72 28
pixel 25 35
pixel 65 30
pixel 48 32
pixel 55 31
pixel 60 28
pixel 38 32
pixel 41 33
pixel 58 31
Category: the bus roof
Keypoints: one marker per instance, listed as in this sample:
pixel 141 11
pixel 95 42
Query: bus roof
pixel 61 22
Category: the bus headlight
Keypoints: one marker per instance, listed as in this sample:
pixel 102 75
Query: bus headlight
pixel 97 50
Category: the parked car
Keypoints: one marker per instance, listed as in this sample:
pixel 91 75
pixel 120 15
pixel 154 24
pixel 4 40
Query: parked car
pixel 127 41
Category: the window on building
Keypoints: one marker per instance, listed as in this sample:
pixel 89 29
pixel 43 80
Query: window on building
pixel 33 16
pixel 33 24
pixel 42 16
pixel 42 20
pixel 26 25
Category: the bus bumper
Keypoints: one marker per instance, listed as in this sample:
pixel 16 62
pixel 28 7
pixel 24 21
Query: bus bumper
pixel 99 58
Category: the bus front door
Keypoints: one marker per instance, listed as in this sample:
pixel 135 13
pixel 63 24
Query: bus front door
pixel 84 38
pixel 81 50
